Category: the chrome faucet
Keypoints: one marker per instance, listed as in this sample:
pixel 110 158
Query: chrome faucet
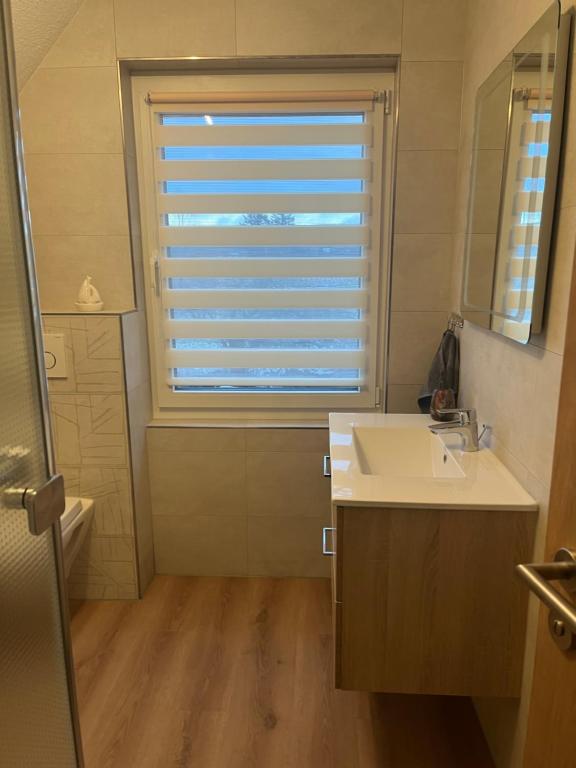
pixel 465 424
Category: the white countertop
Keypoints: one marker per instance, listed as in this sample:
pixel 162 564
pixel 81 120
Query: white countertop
pixel 485 483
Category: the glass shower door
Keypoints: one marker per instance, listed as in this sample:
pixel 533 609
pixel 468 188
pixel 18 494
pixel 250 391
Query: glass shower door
pixel 38 728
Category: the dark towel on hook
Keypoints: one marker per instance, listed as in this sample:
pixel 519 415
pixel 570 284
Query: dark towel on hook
pixel 444 372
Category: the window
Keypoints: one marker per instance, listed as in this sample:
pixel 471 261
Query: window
pixel 263 236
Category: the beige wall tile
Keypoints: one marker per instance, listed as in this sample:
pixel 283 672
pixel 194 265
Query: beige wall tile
pixel 414 339
pixel 286 546
pixel 202 483
pixel 178 439
pixel 77 194
pixel 402 398
pixel 200 545
pixel 112 549
pixel 71 110
pixel 325 26
pixel 89 430
pixel 135 349
pixel 139 401
pixel 425 192
pixel 146 28
pixel 310 440
pixel 110 489
pixel 433 31
pixel 421 269
pixel 88 40
pixel 430 98
pixel 286 484
pixel 515 390
pixel 104 569
pixel 93 355
pixel 63 261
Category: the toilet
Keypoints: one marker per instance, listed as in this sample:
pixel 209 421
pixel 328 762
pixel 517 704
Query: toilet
pixel 75 523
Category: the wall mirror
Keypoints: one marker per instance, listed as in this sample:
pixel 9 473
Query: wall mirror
pixel 515 155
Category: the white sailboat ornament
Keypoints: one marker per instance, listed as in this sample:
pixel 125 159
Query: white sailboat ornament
pixel 89 299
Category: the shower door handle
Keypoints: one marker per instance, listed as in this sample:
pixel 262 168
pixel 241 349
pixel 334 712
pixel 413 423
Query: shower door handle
pixel 44 504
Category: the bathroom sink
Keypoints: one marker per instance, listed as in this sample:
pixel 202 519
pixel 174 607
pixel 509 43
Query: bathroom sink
pixel 403 452
pixel 394 460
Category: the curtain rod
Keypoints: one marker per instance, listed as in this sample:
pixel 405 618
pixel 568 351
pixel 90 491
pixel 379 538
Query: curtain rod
pixel 532 94
pixel 261 97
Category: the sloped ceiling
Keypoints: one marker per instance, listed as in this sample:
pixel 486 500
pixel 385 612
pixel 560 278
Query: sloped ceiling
pixel 37 25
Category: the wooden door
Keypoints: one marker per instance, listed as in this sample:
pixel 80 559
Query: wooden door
pixel 551 740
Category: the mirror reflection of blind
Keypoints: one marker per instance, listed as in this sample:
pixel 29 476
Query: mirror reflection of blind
pixel 525 233
pixel 264 234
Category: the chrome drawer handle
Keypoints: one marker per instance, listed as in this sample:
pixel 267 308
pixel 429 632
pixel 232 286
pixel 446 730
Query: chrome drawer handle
pixel 325 550
pixel 562 618
pixel 327 467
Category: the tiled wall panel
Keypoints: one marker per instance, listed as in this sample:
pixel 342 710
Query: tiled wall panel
pixel 78 198
pixel 241 502
pixel 89 410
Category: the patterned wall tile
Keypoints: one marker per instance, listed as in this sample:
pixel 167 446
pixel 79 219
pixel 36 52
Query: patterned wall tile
pixel 110 489
pixel 93 354
pixel 89 430
pixel 89 423
pixel 104 569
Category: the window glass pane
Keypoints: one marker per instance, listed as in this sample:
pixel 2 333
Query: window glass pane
pixel 270 344
pixel 270 119
pixel 263 219
pixel 269 152
pixel 262 186
pixel 265 252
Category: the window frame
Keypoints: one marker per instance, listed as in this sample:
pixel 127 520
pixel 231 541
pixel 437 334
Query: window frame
pixel 306 405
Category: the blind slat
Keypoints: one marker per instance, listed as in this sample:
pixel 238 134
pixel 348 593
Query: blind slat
pixel 264 358
pixel 519 268
pixel 528 201
pixel 339 267
pixel 239 299
pixel 531 167
pixel 174 170
pixel 240 381
pixel 241 236
pixel 329 203
pixel 525 236
pixel 258 329
pixel 534 132
pixel 261 135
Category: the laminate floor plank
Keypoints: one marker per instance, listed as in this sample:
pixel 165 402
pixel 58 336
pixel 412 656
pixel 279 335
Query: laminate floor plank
pixel 237 673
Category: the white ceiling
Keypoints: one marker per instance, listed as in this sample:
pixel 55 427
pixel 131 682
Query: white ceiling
pixel 37 25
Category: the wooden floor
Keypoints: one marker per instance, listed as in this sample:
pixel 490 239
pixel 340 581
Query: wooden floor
pixel 236 673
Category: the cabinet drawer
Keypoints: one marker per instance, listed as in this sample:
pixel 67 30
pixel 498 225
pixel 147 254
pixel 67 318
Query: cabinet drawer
pixel 427 601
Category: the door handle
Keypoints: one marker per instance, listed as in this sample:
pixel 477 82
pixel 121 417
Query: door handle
pixel 327 469
pixel 44 504
pixel 562 617
pixel 325 550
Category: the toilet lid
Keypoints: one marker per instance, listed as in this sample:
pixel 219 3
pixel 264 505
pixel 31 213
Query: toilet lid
pixel 71 511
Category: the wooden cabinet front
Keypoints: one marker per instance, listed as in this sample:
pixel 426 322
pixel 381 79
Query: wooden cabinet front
pixel 426 600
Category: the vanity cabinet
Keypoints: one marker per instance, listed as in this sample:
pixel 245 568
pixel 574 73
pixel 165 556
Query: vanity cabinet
pixel 426 600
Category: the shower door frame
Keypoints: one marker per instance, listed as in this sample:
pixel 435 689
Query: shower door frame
pixel 31 307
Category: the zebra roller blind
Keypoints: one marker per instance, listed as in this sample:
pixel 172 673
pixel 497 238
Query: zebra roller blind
pixel 267 222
